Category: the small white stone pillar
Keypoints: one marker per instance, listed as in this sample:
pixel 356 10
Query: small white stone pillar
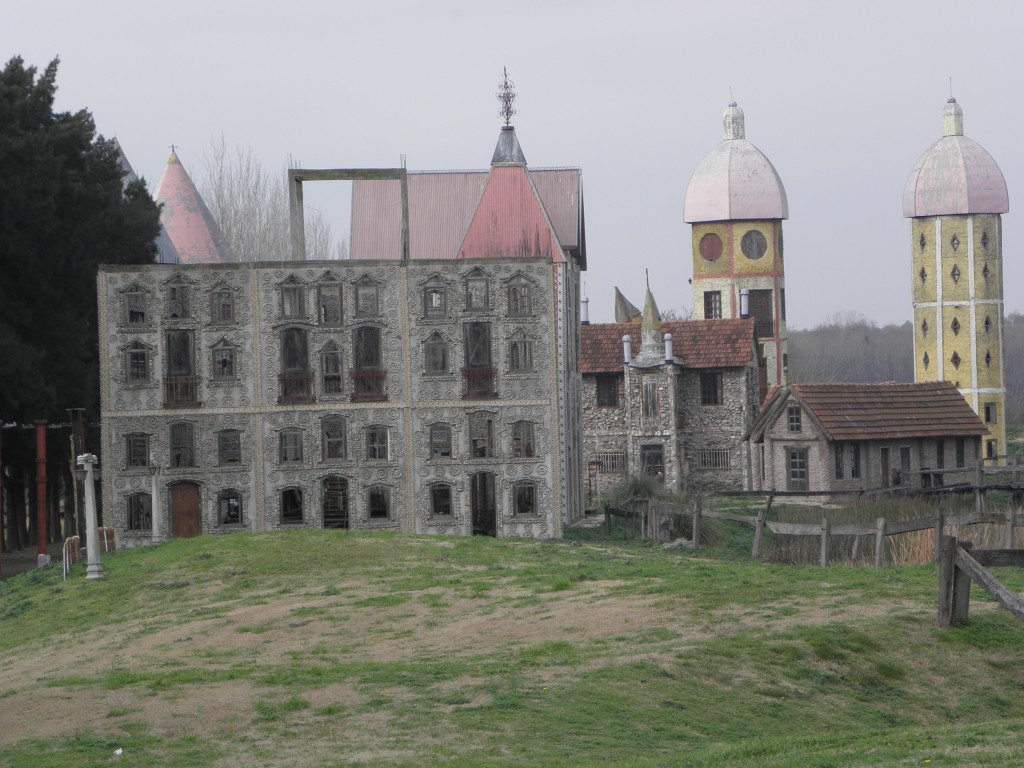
pixel 93 570
pixel 627 349
pixel 156 509
pixel 668 347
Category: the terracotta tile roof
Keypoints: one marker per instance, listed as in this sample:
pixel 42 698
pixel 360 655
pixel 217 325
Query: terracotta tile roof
pixel 890 411
pixel 695 343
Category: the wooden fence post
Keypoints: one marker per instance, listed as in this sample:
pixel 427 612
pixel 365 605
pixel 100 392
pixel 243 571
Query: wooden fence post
pixel 880 542
pixel 825 529
pixel 940 525
pixel 696 526
pixel 961 598
pixel 758 533
pixel 947 564
pixel 1011 523
pixel 978 482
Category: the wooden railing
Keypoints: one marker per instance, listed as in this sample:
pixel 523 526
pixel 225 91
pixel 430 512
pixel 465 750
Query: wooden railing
pixel 479 383
pixel 369 386
pixel 295 388
pixel 959 566
pixel 181 392
pixel 656 516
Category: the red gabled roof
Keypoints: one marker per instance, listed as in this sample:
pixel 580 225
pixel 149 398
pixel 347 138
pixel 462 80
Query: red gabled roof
pixel 189 223
pixel 510 220
pixel 890 411
pixel 695 343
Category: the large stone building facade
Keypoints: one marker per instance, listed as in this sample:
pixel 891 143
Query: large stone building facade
pixel 678 409
pixel 422 395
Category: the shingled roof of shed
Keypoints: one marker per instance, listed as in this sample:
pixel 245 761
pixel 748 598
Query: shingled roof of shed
pixel 881 411
pixel 696 343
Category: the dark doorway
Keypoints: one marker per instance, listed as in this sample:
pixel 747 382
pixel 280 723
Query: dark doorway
pixel 484 504
pixel 185 521
pixel 335 502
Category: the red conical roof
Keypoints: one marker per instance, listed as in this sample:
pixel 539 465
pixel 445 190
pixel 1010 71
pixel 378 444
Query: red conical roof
pixel 189 223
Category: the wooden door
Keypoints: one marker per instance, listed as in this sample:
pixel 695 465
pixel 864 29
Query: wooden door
pixel 185 518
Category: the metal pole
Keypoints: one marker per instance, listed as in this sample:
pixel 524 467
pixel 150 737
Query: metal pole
pixel 94 570
pixel 41 532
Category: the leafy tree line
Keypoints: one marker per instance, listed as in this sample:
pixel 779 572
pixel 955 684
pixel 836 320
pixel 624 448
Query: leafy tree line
pixel 854 349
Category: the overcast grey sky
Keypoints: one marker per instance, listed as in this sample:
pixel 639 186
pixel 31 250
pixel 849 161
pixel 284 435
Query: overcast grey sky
pixel 842 101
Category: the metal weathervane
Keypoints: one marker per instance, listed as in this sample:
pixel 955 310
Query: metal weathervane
pixel 506 96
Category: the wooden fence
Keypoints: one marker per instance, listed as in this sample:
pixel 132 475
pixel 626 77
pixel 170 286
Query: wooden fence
pixel 655 517
pixel 959 566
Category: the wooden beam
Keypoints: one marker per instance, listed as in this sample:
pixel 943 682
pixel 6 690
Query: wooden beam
pixel 1011 601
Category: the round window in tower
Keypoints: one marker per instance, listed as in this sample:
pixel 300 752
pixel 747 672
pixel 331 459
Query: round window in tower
pixel 754 245
pixel 710 247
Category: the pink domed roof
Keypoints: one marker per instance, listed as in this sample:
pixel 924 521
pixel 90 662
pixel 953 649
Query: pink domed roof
pixel 955 176
pixel 735 181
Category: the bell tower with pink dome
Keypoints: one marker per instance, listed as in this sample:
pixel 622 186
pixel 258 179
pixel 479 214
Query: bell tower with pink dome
pixel 735 203
pixel 954 197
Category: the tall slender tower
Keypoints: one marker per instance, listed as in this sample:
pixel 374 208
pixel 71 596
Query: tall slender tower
pixel 954 197
pixel 736 203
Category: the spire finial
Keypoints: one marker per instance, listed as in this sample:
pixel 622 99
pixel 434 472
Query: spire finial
pixel 506 95
pixel 951 99
pixel 647 274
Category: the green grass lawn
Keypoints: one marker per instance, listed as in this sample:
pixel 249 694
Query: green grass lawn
pixel 336 648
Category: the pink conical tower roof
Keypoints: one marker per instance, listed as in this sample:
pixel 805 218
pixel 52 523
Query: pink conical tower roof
pixel 189 223
pixel 510 219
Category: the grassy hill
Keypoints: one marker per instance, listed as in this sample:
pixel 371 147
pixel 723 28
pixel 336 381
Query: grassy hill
pixel 336 648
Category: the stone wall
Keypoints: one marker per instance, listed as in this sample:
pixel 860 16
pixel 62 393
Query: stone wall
pixel 248 400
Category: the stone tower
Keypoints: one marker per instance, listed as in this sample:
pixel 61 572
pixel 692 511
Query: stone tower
pixel 954 197
pixel 736 203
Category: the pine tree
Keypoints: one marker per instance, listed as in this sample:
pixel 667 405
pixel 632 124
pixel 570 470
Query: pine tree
pixel 63 211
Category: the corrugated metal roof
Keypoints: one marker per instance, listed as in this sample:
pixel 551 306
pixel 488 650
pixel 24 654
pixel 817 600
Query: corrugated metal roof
pixel 189 223
pixel 882 411
pixel 441 204
pixel 696 343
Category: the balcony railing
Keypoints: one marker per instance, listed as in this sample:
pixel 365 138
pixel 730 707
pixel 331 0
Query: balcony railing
pixel 181 392
pixel 479 383
pixel 295 388
pixel 369 386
